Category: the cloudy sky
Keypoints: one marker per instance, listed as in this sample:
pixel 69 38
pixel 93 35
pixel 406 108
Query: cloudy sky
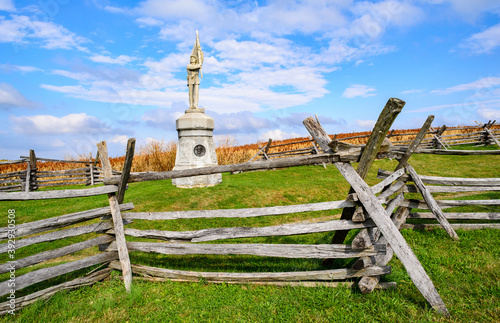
pixel 73 73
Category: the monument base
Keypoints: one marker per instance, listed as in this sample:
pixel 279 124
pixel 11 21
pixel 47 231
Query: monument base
pixel 195 149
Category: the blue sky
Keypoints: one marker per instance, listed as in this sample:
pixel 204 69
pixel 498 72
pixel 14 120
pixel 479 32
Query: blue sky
pixel 73 73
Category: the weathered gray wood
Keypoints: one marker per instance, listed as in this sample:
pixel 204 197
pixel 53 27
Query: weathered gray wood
pixel 120 242
pixel 291 152
pixel 8 162
pixel 248 166
pixel 257 154
pixel 27 180
pixel 266 148
pixel 61 234
pixel 23 196
pixel 452 189
pixel 264 250
pixel 396 187
pixel 56 253
pixel 377 188
pixel 394 238
pixel 103 155
pixel 29 228
pixel 340 147
pixel 461 226
pixel 441 143
pixel 492 136
pixel 127 166
pixel 359 215
pixel 73 171
pixel 431 202
pixel 247 232
pixel 421 204
pixel 446 180
pixel 91 167
pixel 298 152
pixel 11 174
pixel 318 275
pixel 53 180
pixel 313 284
pixel 238 213
pixel 384 122
pixel 368 284
pixel 60 160
pixel 117 219
pixel 319 134
pixel 368 237
pixel 43 274
pixel 457 216
pixel 457 152
pixel 371 236
pixel 24 301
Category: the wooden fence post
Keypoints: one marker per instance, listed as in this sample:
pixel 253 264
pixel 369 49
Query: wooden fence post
pixel 27 179
pixel 91 167
pixel 385 120
pixel 32 183
pixel 492 136
pixel 127 166
pixel 266 148
pixel 117 220
pixel 389 230
pixel 368 284
pixel 436 142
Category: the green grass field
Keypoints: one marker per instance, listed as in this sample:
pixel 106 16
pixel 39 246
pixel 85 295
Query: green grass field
pixel 466 273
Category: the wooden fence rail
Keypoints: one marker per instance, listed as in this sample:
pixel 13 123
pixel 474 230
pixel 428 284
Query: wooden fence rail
pixel 442 138
pixel 363 209
pixel 24 235
pixel 434 184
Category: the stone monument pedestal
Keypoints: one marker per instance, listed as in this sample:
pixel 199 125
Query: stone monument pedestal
pixel 195 148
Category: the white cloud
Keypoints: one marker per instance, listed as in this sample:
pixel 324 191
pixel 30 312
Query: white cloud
pixel 12 98
pixel 263 76
pixel 177 9
pixel 489 114
pixel 367 124
pixel 468 103
pixel 7 5
pixel 70 124
pixel 122 139
pixel 467 9
pixel 19 68
pixel 120 60
pixel 22 29
pixel 358 90
pixel 483 83
pixel 483 42
pixel 390 12
pixel 149 22
pixel 278 135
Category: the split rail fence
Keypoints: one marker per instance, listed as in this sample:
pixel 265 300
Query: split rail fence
pixel 379 218
pixel 32 178
pixel 442 138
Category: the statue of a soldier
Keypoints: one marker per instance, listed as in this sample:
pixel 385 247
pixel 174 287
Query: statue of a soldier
pixel 193 71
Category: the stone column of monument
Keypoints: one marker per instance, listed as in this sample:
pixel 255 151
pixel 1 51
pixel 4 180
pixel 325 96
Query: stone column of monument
pixel 196 146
